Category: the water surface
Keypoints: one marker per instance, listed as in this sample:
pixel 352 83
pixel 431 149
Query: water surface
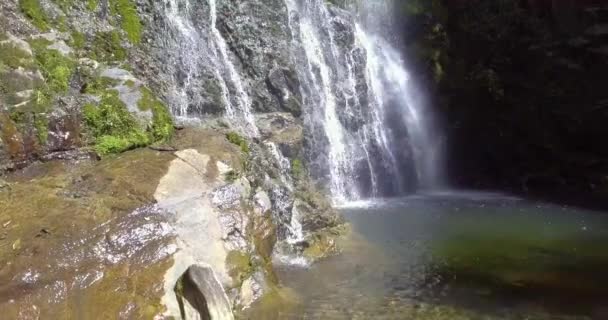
pixel 459 256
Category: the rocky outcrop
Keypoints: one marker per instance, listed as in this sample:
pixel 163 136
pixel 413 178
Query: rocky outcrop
pixel 202 296
pixel 58 86
pixel 201 203
pixel 145 230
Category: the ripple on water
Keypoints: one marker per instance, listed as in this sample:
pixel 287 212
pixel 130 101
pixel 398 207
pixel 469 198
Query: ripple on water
pixel 459 255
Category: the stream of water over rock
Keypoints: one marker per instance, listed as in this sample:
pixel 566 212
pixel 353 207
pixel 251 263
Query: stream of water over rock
pixel 366 132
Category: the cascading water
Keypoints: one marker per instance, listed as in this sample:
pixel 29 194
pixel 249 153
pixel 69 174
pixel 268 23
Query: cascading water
pixel 389 80
pixel 368 135
pixel 199 58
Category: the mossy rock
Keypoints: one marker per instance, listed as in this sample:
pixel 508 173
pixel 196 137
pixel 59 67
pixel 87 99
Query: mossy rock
pixel 107 46
pixel 57 207
pixel 238 140
pixel 112 126
pixel 162 121
pixel 33 11
pixel 130 23
pixel 239 266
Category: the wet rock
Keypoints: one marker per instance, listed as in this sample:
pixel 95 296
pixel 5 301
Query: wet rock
pixel 70 155
pixel 258 34
pixel 129 91
pixel 202 296
pixel 284 85
pixel 229 196
pixel 282 129
pixel 262 203
pixel 252 290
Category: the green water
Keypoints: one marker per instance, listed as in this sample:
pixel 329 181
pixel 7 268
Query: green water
pixel 459 256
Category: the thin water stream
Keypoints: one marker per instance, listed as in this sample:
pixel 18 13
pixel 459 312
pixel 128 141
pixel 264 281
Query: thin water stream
pixel 458 256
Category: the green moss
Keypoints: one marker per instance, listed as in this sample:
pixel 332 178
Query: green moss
pixel 162 122
pixel 238 140
pixel 33 11
pixel 39 107
pixel 297 168
pixel 239 266
pixel 78 40
pixel 41 123
pixel 92 5
pixel 61 24
pixel 113 127
pixel 65 5
pixel 99 85
pixel 13 57
pixel 107 47
pixel 18 115
pixel 130 83
pixel 114 144
pixel 231 176
pixel 56 68
pixel 130 21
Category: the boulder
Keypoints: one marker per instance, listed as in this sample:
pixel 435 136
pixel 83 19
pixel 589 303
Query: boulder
pixel 201 295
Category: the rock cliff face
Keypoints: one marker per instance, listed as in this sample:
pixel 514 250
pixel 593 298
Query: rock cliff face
pixel 85 86
pixel 520 85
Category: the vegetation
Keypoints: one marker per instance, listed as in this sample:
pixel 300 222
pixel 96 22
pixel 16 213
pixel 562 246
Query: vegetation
pixel 107 47
pixel 99 85
pixel 239 266
pixel 130 83
pixel 41 105
pixel 32 10
pixel 297 168
pixel 113 127
pixel 162 122
pixel 238 140
pixel 92 4
pixel 130 22
pixel 56 68
pixel 78 40
pixel 65 5
pixel 232 176
pixel 11 56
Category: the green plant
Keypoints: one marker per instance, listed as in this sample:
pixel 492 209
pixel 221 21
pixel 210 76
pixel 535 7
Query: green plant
pixel 162 122
pixel 238 140
pixel 99 85
pixel 231 176
pixel 130 22
pixel 107 47
pixel 39 107
pixel 12 56
pixel 92 5
pixel 33 11
pixel 56 68
pixel 297 168
pixel 78 40
pixel 113 127
pixel 65 5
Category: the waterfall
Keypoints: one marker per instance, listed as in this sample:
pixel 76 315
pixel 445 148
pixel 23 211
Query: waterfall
pixel 368 134
pixel 389 79
pixel 242 108
pixel 197 52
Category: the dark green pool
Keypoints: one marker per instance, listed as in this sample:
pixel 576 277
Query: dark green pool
pixel 459 255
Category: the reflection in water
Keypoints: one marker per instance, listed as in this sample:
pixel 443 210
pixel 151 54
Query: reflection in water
pixel 459 256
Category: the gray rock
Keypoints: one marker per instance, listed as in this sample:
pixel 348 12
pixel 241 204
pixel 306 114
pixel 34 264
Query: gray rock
pixel 201 295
